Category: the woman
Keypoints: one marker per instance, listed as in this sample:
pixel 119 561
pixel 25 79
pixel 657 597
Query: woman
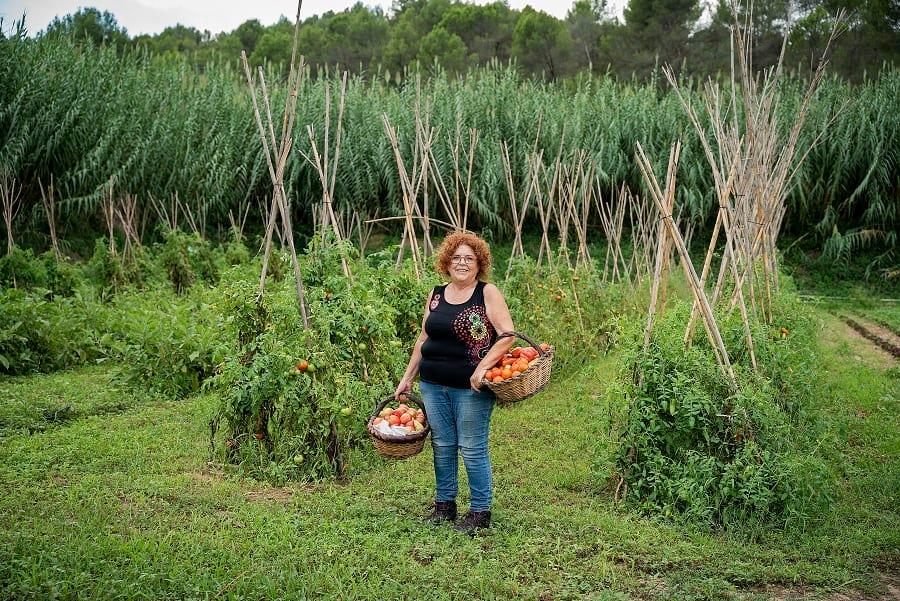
pixel 457 345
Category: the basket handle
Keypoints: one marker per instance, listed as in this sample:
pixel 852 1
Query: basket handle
pixel 410 396
pixel 540 351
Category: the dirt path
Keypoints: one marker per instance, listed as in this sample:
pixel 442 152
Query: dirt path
pixel 876 333
pixel 864 348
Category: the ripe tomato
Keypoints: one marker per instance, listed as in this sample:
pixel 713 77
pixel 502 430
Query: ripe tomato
pixel 545 347
pixel 377 421
pixel 405 418
pixel 497 379
pixel 393 420
pixel 398 412
pixel 506 374
pixel 516 352
pixel 303 365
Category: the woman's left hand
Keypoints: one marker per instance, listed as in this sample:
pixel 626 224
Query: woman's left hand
pixel 477 378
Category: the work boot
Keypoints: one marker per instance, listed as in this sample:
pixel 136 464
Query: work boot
pixel 473 521
pixel 444 511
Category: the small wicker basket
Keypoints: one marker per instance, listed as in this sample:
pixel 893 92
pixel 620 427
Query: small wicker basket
pixel 394 446
pixel 529 382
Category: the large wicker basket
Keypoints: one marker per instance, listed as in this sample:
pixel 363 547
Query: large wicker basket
pixel 529 382
pixel 395 446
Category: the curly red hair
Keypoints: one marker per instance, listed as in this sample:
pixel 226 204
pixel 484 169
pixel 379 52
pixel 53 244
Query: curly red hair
pixel 455 240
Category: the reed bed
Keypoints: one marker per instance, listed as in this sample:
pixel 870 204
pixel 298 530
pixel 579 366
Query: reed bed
pixel 82 116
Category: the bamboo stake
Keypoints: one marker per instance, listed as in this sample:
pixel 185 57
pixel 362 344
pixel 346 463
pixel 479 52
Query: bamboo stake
pixel 276 172
pixel 713 330
pixel 10 195
pixel 408 195
pixel 48 200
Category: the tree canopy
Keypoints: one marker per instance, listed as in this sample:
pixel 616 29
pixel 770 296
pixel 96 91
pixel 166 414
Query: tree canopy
pixel 457 36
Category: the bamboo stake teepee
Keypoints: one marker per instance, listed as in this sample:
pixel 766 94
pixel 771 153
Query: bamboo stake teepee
pixel 277 152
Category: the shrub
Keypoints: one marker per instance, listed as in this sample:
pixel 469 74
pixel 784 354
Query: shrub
pixel 63 277
pixel 105 270
pixel 691 448
pixel 279 422
pixel 21 269
pixel 166 344
pixel 567 308
pixel 38 334
pixel 187 258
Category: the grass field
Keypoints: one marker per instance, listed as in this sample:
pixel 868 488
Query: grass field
pixel 117 501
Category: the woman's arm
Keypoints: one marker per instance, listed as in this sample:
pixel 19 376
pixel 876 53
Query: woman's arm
pixel 498 314
pixel 412 368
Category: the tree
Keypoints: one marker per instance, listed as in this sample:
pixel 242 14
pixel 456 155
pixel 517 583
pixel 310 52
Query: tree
pixel 274 46
pixel 583 21
pixel 413 20
pixel 487 30
pixel 656 32
pixel 444 47
pixel 357 36
pixel 248 33
pixel 541 43
pixel 176 40
pixel 711 47
pixel 100 28
pixel 872 37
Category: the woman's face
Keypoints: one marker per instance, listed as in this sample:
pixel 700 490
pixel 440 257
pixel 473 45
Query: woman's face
pixel 463 265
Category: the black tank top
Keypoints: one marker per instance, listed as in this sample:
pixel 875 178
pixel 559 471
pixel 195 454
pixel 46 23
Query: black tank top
pixel 458 337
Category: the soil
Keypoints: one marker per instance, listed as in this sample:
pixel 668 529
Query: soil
pixel 883 337
pixel 863 349
pixel 270 493
pixel 888 584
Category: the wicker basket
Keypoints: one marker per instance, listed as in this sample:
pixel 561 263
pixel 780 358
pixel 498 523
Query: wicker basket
pixel 394 446
pixel 529 382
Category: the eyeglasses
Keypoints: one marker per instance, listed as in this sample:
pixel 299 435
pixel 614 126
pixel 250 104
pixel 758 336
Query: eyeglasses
pixel 457 259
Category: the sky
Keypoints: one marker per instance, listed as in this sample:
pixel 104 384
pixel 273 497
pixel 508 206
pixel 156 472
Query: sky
pixel 152 16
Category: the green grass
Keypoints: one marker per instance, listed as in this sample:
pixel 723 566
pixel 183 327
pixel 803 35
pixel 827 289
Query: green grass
pixel 35 403
pixel 124 505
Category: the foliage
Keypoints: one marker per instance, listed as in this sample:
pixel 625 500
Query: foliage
pixel 38 334
pixel 279 422
pixel 45 273
pixel 691 448
pixel 84 114
pixel 20 269
pixel 567 308
pixel 166 344
pixel 64 278
pixel 187 258
pixel 105 269
pixel 123 506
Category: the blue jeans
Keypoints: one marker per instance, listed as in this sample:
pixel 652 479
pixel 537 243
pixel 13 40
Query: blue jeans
pixel 460 419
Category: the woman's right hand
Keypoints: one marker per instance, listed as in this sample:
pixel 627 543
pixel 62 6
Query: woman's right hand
pixel 402 388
